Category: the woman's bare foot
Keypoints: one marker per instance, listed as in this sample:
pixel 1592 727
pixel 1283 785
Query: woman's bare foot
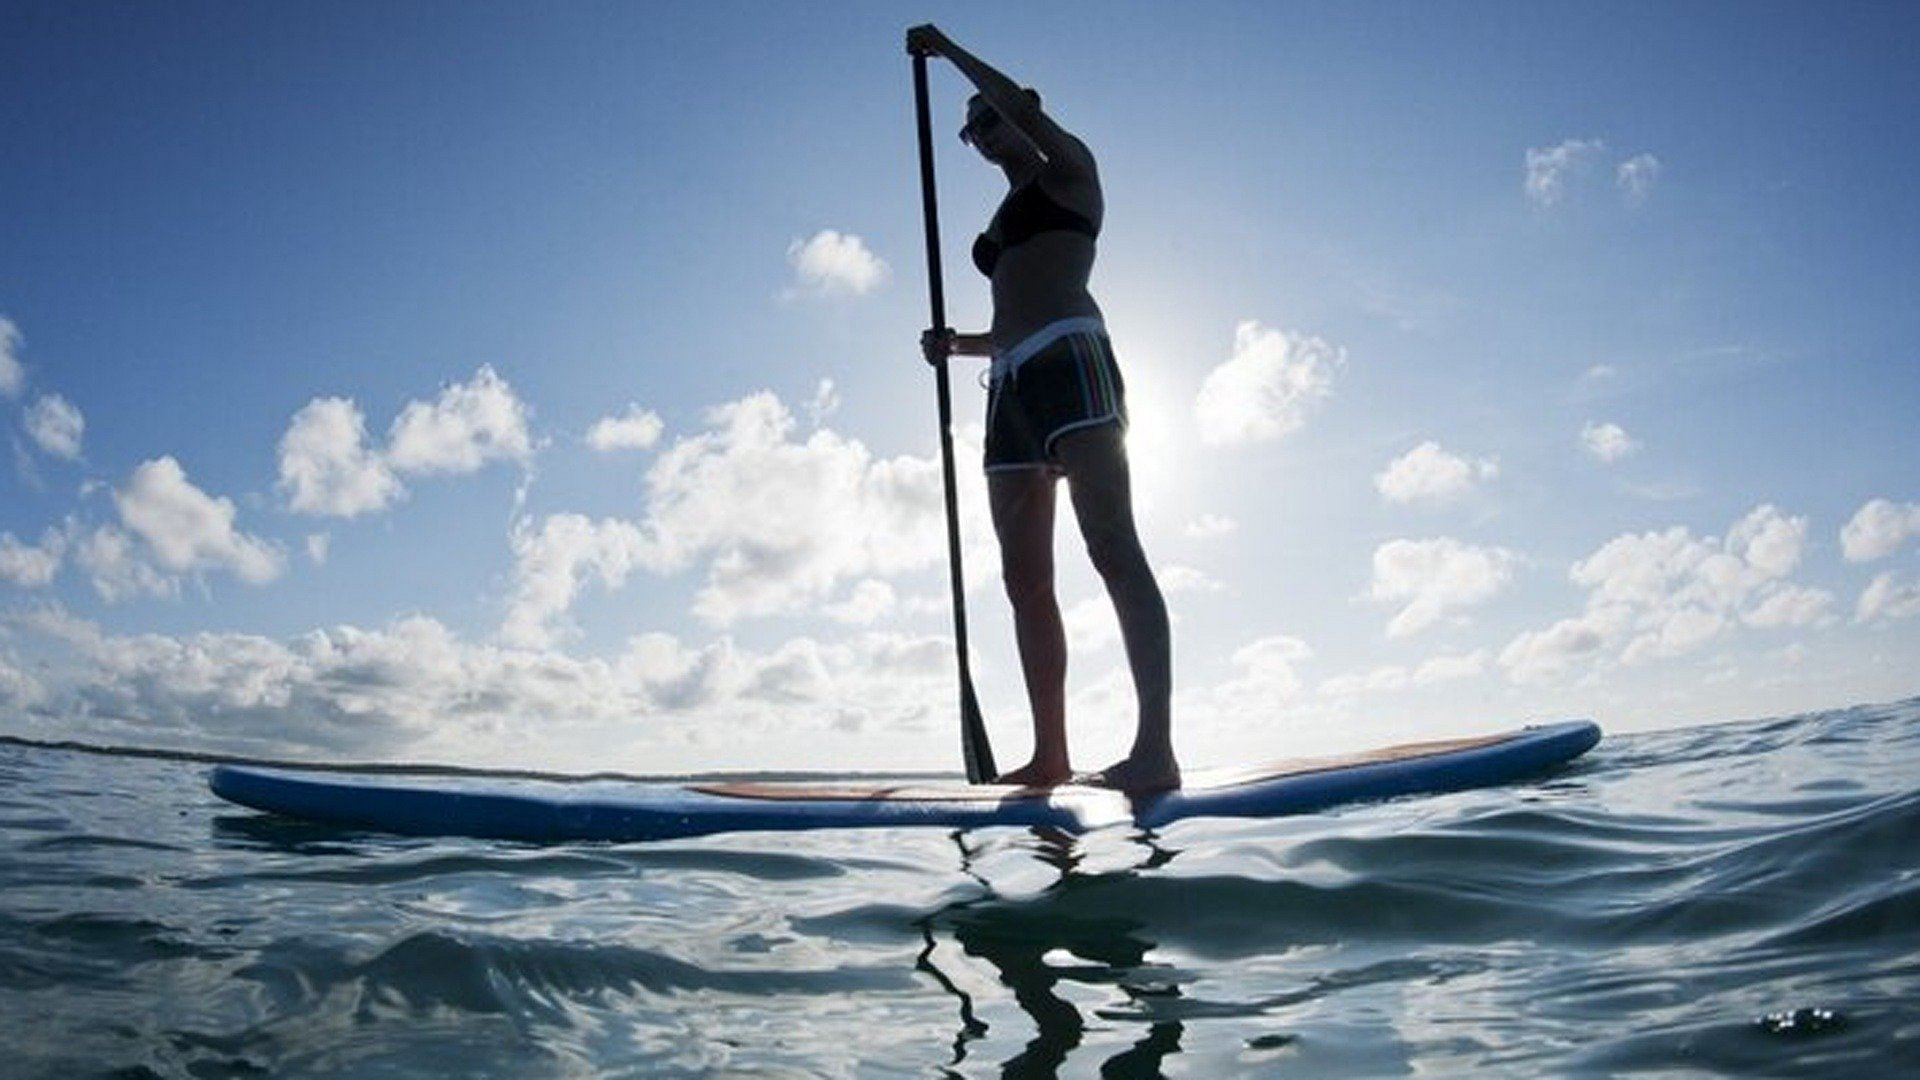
pixel 1035 774
pixel 1141 774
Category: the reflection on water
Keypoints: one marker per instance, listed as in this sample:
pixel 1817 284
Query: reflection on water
pixel 1034 949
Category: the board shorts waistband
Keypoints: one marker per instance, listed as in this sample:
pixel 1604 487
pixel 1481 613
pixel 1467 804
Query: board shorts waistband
pixel 1008 362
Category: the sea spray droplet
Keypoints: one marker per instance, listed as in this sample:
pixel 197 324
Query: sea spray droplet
pixel 1802 1023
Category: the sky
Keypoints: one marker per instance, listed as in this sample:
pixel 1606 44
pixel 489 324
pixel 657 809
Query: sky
pixel 538 385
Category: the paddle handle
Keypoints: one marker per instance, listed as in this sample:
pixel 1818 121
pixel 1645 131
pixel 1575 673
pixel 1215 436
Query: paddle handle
pixel 974 747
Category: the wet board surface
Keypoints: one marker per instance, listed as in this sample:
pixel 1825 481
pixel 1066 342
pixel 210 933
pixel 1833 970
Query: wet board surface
pixel 552 810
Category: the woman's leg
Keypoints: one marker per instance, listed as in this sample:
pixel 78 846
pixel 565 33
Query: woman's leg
pixel 1022 501
pixel 1100 485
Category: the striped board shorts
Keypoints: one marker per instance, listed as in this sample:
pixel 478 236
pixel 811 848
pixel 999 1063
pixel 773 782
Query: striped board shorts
pixel 1061 379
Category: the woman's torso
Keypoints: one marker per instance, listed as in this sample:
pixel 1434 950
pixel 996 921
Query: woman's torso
pixel 1042 278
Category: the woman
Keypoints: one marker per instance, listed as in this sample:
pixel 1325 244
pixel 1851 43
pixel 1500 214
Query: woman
pixel 1055 408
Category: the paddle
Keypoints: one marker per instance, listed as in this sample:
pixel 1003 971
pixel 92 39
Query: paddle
pixel 973 730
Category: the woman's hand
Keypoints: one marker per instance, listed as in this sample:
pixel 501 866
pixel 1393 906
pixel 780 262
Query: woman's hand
pixel 927 40
pixel 937 345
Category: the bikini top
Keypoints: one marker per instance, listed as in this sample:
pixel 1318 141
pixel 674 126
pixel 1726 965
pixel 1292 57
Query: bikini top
pixel 1026 213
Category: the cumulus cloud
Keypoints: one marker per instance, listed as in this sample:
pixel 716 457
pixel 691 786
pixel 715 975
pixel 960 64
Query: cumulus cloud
pixel 1428 473
pixel 31 566
pixel 1889 596
pixel 465 427
pixel 1636 176
pixel 56 426
pixel 1548 168
pixel 19 690
pixel 1607 442
pixel 779 521
pixel 1552 170
pixel 329 467
pixel 833 263
pixel 1433 577
pixel 1265 390
pixel 1267 669
pixel 552 562
pixel 1878 528
pixel 1663 594
pixel 119 568
pixel 185 530
pixel 635 429
pixel 326 466
pixel 13 374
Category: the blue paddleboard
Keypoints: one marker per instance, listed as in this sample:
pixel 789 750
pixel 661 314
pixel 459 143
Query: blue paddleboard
pixel 624 810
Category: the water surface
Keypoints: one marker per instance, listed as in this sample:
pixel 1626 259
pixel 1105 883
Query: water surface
pixel 1738 900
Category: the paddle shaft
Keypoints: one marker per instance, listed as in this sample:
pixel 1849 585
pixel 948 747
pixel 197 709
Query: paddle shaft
pixel 974 747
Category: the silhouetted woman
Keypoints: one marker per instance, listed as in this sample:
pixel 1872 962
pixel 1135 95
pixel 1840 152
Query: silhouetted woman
pixel 1056 408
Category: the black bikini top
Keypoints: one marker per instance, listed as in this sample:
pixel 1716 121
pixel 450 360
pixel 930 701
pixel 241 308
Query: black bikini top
pixel 1027 212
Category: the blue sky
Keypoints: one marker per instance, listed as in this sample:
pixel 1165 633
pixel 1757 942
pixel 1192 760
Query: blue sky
pixel 535 385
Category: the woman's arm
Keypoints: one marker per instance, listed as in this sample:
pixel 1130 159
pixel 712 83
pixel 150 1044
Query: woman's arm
pixel 937 345
pixel 1005 96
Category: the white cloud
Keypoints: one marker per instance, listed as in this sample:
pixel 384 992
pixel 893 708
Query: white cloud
pixel 868 602
pixel 56 425
pixel 186 530
pixel 1433 577
pixel 318 545
pixel 1889 596
pixel 1428 473
pixel 13 374
pixel 415 690
pixel 1208 526
pixel 1662 594
pixel 1607 442
pixel 835 264
pixel 19 691
pixel 1789 605
pixel 1267 669
pixel 1878 528
pixel 1547 655
pixel 120 569
pixel 778 521
pixel 826 402
pixel 1549 168
pixel 465 427
pixel 635 429
pixel 326 466
pixel 1636 176
pixel 550 565
pixel 31 566
pixel 1264 391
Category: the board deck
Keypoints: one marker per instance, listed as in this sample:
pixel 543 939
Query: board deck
pixel 629 810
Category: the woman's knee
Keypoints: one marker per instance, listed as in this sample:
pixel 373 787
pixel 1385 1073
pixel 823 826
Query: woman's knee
pixel 1116 553
pixel 1026 582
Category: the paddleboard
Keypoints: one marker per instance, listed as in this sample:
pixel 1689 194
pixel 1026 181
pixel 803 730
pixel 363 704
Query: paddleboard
pixel 554 810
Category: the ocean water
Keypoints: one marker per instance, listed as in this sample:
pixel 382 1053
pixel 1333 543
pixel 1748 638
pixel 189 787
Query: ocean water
pixel 1736 900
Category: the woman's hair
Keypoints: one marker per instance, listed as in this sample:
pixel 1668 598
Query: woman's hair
pixel 981 99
